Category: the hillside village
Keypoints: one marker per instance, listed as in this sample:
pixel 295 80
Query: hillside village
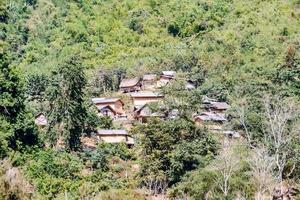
pixel 144 91
pixel 149 100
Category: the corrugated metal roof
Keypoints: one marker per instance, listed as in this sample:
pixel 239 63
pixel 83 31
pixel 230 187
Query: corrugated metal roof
pixel 104 100
pixel 112 132
pixel 145 94
pixel 169 73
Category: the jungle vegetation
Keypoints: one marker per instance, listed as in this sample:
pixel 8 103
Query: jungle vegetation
pixel 55 55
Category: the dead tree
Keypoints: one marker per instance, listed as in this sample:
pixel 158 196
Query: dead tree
pixel 262 168
pixel 226 164
pixel 156 184
pixel 280 115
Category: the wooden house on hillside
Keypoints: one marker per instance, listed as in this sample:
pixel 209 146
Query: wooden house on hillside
pixel 40 120
pixel 143 113
pixel 165 78
pixel 219 106
pixel 131 85
pixel 211 119
pixel 213 105
pixel 142 98
pixel 112 107
pixel 114 136
pixel 149 81
pixel 210 116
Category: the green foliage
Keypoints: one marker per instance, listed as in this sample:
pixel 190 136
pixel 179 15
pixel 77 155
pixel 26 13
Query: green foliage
pixel 58 173
pixel 288 74
pixel 235 41
pixel 6 131
pixel 36 85
pixel 118 150
pixel 17 126
pixel 67 111
pixel 56 164
pixel 120 195
pixel 294 160
pixel 171 148
pixel 188 156
pixel 106 122
pixel 229 49
pixel 106 81
pixel 99 158
pixel 208 182
pixel 51 171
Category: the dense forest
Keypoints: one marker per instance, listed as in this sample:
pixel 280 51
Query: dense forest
pixel 56 55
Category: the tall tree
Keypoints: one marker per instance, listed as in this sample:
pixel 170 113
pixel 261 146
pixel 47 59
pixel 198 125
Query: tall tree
pixel 278 141
pixel 67 111
pixel 17 128
pixel 281 116
pixel 16 124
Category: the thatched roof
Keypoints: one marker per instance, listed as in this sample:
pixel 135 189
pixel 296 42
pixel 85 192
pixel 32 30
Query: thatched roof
pixel 130 140
pixel 130 82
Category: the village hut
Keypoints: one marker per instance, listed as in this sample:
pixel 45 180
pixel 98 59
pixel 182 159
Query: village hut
pixel 143 113
pixel 112 107
pixel 219 106
pixel 114 136
pixel 210 116
pixel 40 119
pixel 211 120
pixel 130 85
pixel 168 74
pixel 142 98
pixel 165 78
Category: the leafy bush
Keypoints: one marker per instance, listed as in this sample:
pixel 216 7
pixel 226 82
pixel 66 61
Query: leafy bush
pixel 54 173
pixel 98 159
pixel 171 148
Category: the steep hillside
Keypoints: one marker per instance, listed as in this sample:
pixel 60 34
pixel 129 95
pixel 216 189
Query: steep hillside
pixel 228 37
pixel 221 123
